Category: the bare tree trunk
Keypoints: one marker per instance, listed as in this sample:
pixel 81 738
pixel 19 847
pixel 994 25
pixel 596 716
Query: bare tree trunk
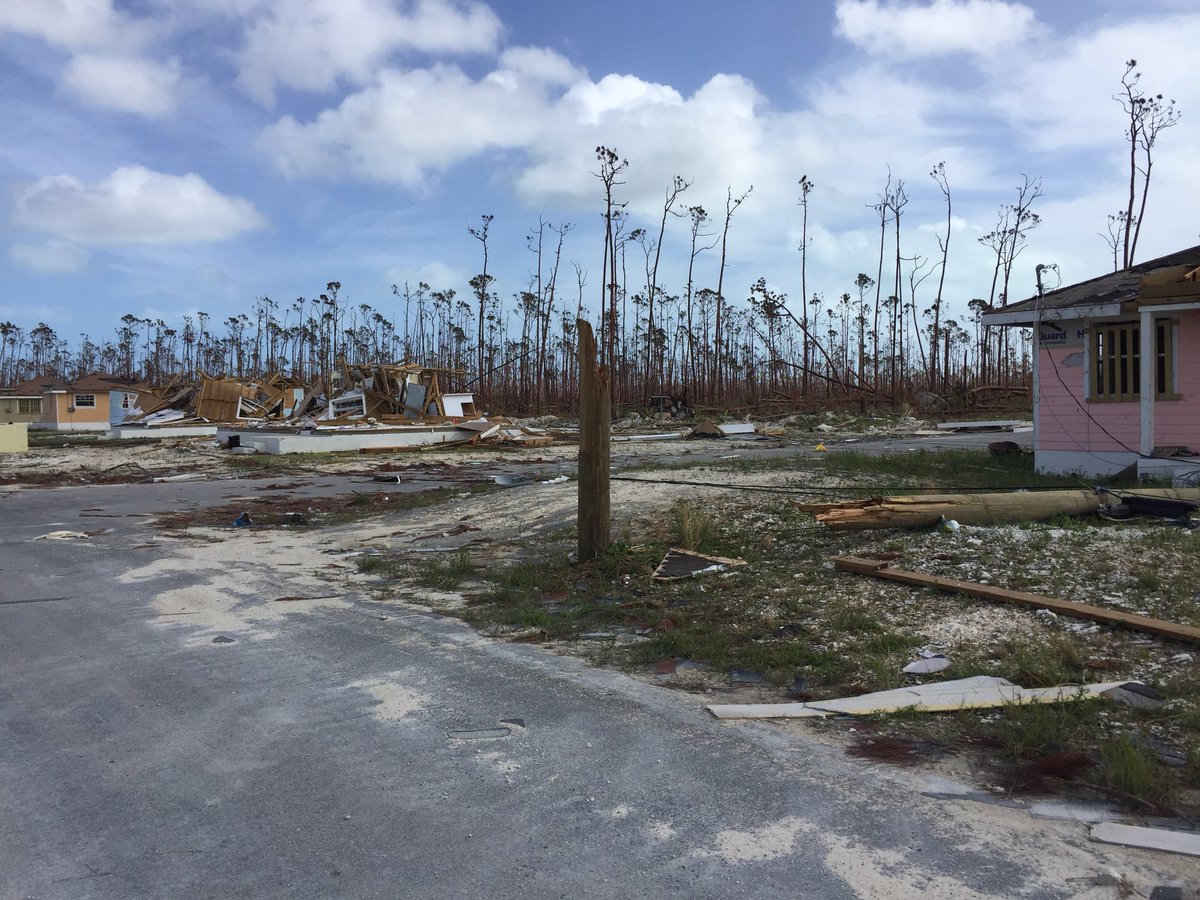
pixel 731 205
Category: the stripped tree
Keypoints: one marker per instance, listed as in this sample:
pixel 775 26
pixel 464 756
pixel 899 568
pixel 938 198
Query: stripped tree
pixel 1147 116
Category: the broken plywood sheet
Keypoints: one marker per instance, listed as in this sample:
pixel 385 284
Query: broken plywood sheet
pixel 679 563
pixel 1185 842
pixel 978 692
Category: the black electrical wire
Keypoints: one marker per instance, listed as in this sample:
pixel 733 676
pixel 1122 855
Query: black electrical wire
pixel 875 491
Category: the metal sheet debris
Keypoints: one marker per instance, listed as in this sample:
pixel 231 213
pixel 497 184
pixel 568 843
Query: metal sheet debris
pixel 1184 842
pixel 928 665
pixel 63 536
pixel 978 692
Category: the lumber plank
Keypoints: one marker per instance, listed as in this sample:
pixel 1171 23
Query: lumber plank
pixel 876 569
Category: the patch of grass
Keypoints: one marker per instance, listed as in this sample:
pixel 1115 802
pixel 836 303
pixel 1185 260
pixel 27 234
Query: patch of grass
pixel 944 469
pixel 447 572
pixel 524 581
pixel 521 615
pixel 278 462
pixel 1148 579
pixel 779 660
pixel 376 564
pixel 622 559
pixel 1132 769
pixel 884 672
pixel 1063 522
pixel 691 525
pixel 889 642
pixel 854 620
pixel 1041 663
pixel 1027 730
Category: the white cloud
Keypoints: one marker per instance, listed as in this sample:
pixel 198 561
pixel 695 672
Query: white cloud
pixel 134 205
pixel 410 125
pixel 907 30
pixel 435 273
pixel 1063 99
pixel 538 64
pixel 311 45
pixel 50 258
pixel 123 83
pixel 65 23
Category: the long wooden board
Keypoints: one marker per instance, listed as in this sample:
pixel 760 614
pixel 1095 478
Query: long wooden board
pixel 879 569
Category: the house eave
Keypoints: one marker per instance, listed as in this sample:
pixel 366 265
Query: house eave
pixel 1027 318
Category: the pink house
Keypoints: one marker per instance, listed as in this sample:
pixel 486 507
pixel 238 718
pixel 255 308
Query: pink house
pixel 1100 345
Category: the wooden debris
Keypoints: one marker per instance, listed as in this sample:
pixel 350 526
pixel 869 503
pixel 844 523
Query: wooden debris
pixel 879 569
pixel 972 509
pixel 680 563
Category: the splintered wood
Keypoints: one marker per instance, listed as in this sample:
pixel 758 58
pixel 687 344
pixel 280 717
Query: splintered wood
pixel 879 569
pixel 971 509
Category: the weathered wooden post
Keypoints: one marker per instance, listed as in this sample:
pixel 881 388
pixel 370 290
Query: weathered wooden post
pixel 594 445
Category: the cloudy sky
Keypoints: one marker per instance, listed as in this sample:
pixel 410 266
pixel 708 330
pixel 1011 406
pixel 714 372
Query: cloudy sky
pixel 168 156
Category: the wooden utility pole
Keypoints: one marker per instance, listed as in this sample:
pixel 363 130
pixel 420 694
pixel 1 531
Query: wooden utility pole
pixel 594 445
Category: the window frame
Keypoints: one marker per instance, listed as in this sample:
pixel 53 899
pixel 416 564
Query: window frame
pixel 1119 368
pixel 29 406
pixel 78 401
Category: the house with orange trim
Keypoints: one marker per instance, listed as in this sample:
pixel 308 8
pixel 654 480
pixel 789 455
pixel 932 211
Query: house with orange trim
pixel 93 402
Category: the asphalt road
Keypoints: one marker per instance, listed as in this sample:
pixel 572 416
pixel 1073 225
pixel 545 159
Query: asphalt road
pixel 352 753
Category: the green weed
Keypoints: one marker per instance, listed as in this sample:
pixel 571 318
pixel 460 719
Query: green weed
pixel 446 573
pixel 383 566
pixel 1131 768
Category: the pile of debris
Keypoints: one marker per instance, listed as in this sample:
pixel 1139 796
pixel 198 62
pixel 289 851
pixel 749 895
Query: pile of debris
pixel 397 398
pixel 221 399
pixel 391 394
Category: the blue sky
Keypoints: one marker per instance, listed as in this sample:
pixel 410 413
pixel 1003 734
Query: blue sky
pixel 168 156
